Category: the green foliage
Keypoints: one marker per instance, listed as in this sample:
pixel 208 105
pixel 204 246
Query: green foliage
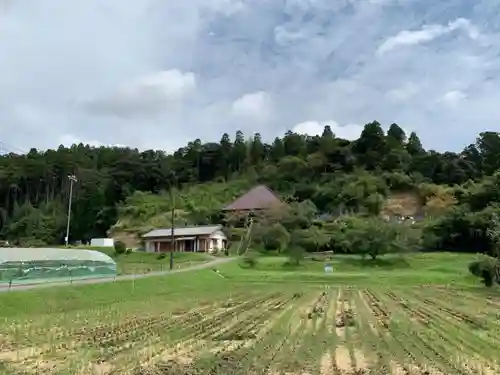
pixel 36 227
pixel 487 269
pixel 372 236
pixel 195 205
pixel 120 247
pixel 250 259
pixel 311 240
pixel 295 254
pixel 299 215
pixel 275 237
pixel 124 190
pixel 462 229
pixel 493 233
pixel 374 203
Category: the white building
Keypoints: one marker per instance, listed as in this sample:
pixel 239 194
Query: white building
pixel 208 238
pixel 102 242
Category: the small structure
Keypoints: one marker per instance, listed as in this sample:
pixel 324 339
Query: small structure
pixel 257 199
pixel 102 242
pixel 328 268
pixel 207 238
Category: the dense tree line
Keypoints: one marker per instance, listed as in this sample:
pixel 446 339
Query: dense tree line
pixel 328 171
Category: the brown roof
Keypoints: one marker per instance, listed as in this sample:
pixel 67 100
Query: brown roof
pixel 257 198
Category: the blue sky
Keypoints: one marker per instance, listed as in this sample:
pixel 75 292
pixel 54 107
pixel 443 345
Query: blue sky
pixel 153 74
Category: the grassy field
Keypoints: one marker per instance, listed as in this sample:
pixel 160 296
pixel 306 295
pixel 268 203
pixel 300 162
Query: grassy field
pixel 137 263
pixel 141 262
pixel 270 320
pixel 414 269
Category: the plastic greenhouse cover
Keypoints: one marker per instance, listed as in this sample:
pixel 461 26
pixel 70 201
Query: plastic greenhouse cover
pixel 18 254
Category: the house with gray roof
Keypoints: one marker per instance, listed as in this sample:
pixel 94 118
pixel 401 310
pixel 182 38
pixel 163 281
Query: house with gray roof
pixel 203 238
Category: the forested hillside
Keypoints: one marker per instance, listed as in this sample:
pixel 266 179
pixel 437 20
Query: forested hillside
pixel 125 189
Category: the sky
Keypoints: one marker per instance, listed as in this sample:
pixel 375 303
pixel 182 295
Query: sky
pixel 160 73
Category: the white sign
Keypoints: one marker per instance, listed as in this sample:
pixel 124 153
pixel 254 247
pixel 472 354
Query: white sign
pixel 328 268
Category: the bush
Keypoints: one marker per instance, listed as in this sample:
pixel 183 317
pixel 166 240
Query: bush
pixel 296 254
pixel 250 260
pixel 32 242
pixel 275 237
pixel 312 239
pixel 120 247
pixel 488 269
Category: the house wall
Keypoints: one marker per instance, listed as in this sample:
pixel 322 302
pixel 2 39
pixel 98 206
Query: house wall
pixel 152 245
pixel 202 244
pixel 217 242
pixel 149 246
pixel 157 245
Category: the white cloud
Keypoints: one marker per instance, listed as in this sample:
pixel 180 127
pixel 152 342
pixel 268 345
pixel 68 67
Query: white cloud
pixel 402 93
pixel 349 132
pixel 257 105
pixel 157 74
pixel 283 36
pixel 453 98
pixel 427 34
pixel 147 95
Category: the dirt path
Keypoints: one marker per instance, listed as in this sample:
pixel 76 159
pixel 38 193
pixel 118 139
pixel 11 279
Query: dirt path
pixel 210 264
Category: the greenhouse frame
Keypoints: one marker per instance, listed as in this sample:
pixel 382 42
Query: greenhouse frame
pixel 40 265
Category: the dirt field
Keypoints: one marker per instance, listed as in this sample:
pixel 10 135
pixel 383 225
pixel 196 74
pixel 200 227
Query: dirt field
pixel 323 331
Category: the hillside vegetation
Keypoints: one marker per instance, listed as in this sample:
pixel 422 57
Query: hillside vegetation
pixel 124 192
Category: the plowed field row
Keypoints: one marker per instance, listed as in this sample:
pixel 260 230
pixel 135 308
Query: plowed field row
pixel 331 331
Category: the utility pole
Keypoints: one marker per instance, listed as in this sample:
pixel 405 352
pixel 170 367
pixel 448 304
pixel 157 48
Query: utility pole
pixel 72 178
pixel 172 235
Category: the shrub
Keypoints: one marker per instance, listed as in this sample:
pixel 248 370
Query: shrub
pixel 275 237
pixel 250 260
pixel 295 254
pixel 487 269
pixel 120 247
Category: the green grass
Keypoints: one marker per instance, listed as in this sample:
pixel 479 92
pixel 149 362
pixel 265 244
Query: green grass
pixel 416 269
pixel 411 269
pixel 137 263
pixel 60 299
pixel 141 262
pixel 131 321
pixel 421 262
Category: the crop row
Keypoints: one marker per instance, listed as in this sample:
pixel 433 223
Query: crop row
pixel 126 336
pixel 238 342
pixel 219 327
pixel 428 338
pixel 334 331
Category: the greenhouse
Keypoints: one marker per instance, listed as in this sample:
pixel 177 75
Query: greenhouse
pixel 35 265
